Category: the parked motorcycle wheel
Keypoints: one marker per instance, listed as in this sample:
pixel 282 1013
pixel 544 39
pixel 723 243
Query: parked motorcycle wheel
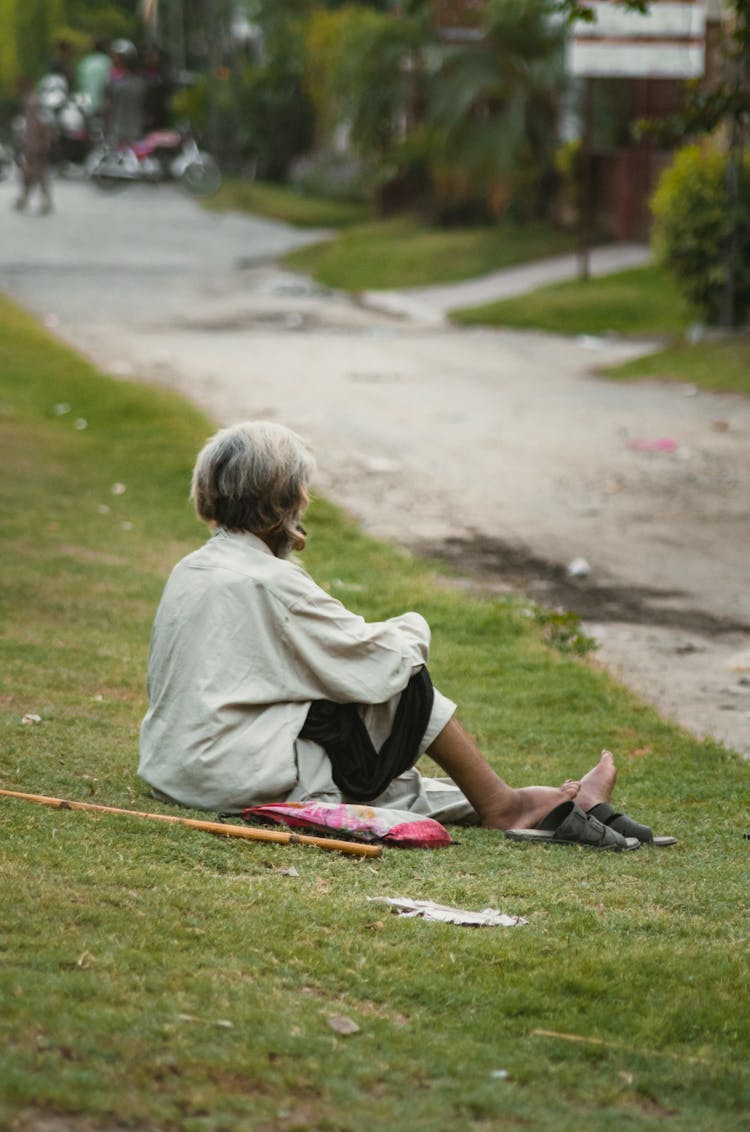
pixel 202 178
pixel 108 170
pixel 106 182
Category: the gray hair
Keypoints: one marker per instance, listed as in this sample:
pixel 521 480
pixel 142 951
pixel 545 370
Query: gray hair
pixel 254 477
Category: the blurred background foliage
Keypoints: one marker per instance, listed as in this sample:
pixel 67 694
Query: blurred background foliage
pixel 355 98
pixel 30 30
pixel 384 102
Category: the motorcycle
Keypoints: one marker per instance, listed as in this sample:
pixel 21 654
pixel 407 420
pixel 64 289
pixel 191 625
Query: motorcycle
pixel 74 129
pixel 162 155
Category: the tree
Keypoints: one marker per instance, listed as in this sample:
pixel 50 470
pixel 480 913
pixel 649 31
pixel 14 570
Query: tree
pixel 721 109
pixel 692 229
pixel 459 124
pixel 493 103
pixel 380 77
pixel 251 105
pixel 29 29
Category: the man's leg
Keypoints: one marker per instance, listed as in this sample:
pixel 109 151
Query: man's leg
pixel 23 195
pixel 501 806
pixel 44 188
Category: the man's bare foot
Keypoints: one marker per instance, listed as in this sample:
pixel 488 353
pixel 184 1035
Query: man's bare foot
pixel 598 784
pixel 526 807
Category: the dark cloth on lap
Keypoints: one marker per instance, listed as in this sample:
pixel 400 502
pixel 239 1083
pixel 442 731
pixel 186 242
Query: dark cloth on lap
pixel 360 772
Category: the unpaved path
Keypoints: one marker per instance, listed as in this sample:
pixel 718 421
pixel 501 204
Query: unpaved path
pixel 499 451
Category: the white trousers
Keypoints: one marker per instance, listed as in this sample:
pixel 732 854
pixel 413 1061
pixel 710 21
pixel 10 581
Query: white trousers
pixel 437 798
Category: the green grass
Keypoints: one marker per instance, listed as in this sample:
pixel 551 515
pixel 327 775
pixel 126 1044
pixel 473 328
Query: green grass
pixel 408 252
pixel 722 366
pixel 282 203
pixel 158 978
pixel 641 301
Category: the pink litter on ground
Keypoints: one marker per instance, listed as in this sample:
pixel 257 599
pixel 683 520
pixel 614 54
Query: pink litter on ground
pixel 364 823
pixel 661 444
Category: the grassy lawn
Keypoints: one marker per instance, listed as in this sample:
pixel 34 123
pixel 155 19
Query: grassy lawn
pixel 278 202
pixel 642 301
pixel 720 366
pixel 408 252
pixel 368 254
pixel 154 977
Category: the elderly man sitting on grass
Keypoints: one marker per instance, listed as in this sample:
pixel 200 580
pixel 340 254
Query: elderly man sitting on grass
pixel 264 688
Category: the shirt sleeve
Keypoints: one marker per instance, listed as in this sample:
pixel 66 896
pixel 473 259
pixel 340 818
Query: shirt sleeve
pixel 339 656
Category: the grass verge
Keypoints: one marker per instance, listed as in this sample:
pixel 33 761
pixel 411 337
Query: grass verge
pixel 641 301
pixel 155 977
pixel 278 202
pixel 719 365
pixel 408 252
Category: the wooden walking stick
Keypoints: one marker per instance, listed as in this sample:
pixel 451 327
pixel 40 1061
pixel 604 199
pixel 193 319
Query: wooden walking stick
pixel 280 837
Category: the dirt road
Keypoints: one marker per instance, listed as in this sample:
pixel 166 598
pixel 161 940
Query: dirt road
pixel 500 452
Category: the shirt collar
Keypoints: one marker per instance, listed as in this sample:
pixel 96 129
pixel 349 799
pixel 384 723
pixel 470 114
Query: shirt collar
pixel 251 540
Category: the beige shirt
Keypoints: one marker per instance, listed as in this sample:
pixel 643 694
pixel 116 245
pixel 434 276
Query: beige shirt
pixel 242 643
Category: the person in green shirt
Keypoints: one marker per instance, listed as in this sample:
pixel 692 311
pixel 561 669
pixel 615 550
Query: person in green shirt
pixel 92 75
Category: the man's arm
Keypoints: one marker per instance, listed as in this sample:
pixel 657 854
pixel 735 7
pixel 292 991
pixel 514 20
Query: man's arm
pixel 348 659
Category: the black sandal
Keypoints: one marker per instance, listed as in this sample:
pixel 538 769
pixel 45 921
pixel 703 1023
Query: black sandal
pixel 568 824
pixel 625 825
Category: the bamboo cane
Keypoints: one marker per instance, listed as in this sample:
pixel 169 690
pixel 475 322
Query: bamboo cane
pixel 280 837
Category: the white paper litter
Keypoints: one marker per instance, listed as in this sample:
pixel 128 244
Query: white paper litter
pixel 578 568
pixel 441 913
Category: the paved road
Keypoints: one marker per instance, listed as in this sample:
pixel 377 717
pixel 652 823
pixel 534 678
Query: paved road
pixel 499 449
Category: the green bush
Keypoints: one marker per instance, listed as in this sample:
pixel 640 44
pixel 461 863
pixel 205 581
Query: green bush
pixel 257 115
pixel 693 231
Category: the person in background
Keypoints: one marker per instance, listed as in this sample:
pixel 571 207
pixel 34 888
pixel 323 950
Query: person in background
pixel 62 62
pixel 125 96
pixel 117 51
pixel 93 74
pixel 155 71
pixel 36 145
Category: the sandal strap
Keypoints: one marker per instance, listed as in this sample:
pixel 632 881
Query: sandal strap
pixel 570 823
pixel 621 823
pixel 553 819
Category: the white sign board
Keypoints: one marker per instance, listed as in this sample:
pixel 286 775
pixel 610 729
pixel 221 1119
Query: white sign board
pixel 667 42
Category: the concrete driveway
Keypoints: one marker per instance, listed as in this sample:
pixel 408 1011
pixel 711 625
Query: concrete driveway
pixel 501 451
